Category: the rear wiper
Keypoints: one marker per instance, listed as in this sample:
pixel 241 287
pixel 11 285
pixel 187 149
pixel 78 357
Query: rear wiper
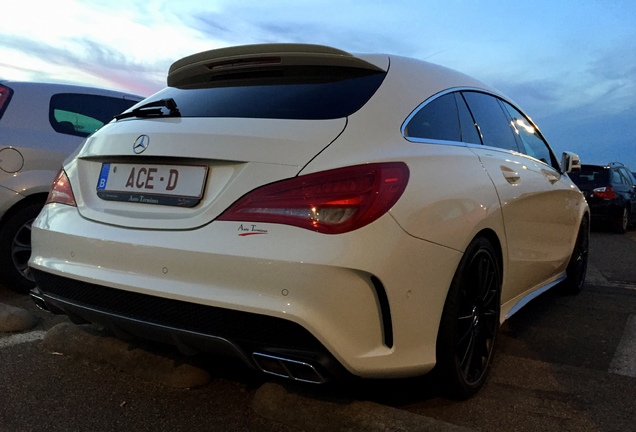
pixel 144 111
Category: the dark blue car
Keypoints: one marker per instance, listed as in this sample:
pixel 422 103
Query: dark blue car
pixel 610 191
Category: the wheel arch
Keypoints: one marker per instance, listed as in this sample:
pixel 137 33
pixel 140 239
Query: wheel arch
pixel 26 201
pixel 493 238
pixel 460 382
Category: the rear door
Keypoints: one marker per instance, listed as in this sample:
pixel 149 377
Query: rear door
pixel 539 205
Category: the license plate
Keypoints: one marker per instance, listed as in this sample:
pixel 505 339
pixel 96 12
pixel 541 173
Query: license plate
pixel 171 185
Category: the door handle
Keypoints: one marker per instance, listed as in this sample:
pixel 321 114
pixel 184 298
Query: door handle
pixel 510 175
pixel 552 178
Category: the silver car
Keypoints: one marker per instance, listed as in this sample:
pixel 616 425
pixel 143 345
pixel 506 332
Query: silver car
pixel 40 125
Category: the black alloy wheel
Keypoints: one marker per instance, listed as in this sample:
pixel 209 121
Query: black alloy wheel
pixel 470 322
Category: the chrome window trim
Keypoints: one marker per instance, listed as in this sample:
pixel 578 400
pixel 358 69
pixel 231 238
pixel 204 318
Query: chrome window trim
pixel 454 90
pixel 438 141
pixel 473 145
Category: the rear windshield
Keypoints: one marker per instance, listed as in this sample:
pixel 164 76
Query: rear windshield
pixel 322 94
pixel 590 176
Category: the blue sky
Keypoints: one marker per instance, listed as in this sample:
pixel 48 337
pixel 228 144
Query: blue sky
pixel 571 65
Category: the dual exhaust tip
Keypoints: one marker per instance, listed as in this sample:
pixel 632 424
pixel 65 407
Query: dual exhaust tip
pixel 286 368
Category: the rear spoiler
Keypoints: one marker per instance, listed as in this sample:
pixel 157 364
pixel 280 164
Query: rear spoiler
pixel 208 65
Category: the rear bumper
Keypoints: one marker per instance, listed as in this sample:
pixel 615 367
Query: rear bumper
pixel 192 328
pixel 366 302
pixel 604 210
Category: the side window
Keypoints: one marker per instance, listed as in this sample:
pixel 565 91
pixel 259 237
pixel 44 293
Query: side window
pixel 436 120
pixel 627 177
pixel 82 114
pixel 533 143
pixel 616 177
pixel 491 120
pixel 470 134
pixel 623 176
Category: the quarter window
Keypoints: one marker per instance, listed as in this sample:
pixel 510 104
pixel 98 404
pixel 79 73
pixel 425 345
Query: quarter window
pixel 619 177
pixel 82 114
pixel 436 120
pixel 626 177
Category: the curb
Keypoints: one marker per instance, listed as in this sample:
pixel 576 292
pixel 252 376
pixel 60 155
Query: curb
pixel 271 401
pixel 87 342
pixel 14 319
pixel 274 402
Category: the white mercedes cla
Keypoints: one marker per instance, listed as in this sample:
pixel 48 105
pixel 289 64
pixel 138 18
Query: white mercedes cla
pixel 316 214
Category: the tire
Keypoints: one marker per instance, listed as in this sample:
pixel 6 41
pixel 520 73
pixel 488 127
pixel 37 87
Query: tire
pixel 577 267
pixel 15 248
pixel 621 221
pixel 470 322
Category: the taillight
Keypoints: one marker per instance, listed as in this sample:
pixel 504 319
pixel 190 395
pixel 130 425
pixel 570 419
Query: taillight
pixel 61 191
pixel 5 97
pixel 606 192
pixel 329 202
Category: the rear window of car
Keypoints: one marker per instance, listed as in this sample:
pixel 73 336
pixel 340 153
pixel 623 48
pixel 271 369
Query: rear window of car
pixel 590 176
pixel 82 114
pixel 303 94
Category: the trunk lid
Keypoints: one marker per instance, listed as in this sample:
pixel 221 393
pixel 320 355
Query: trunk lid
pixel 184 172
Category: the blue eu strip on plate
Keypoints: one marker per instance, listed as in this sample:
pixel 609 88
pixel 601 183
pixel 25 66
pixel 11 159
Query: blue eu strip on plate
pixel 103 176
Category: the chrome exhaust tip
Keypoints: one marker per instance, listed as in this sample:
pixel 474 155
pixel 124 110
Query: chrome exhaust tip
pixel 287 368
pixel 39 301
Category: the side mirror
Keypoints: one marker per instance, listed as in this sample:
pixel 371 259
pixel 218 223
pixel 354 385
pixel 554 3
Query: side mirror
pixel 570 162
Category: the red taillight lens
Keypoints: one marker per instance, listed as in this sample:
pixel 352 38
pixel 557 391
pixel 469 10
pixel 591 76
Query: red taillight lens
pixel 61 191
pixel 5 97
pixel 329 202
pixel 606 192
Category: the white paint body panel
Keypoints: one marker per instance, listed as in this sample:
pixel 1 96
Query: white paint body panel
pixel 454 193
pixel 220 268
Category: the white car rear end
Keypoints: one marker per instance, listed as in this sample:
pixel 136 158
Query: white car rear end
pixel 299 229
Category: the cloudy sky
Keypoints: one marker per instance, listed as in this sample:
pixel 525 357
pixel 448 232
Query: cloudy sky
pixel 571 65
